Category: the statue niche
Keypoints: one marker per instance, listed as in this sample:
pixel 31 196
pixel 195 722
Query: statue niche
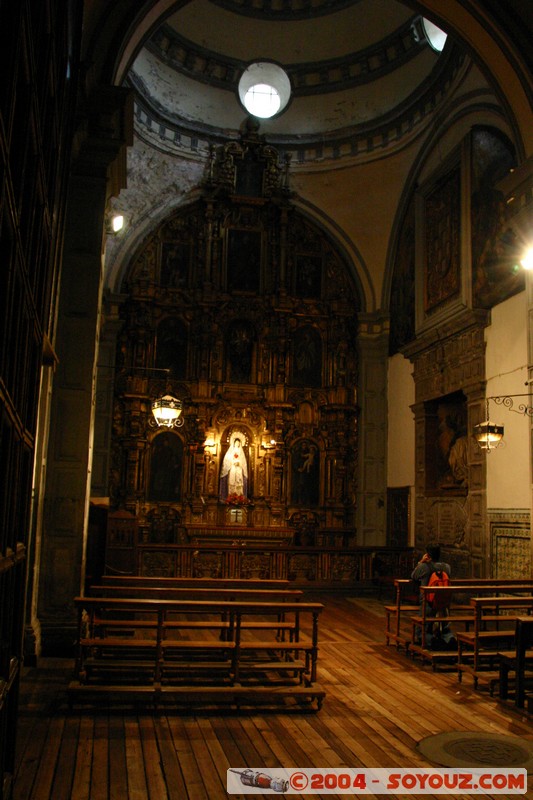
pixel 233 485
pixel 305 473
pixel 166 459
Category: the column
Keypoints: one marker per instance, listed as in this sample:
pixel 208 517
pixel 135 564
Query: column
pixel 373 339
pixel 98 173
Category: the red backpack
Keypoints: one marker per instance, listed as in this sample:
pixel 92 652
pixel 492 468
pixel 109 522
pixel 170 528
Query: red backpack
pixel 439 601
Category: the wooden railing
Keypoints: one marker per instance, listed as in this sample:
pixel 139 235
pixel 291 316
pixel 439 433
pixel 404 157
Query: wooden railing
pixel 305 567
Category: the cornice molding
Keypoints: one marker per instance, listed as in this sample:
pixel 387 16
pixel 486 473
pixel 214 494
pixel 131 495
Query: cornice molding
pixel 331 75
pixel 289 10
pixel 368 140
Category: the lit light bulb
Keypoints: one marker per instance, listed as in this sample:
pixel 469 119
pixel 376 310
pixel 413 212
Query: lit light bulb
pixel 117 223
pixel 527 259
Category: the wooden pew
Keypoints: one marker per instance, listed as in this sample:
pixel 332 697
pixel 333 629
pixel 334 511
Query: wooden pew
pixel 154 592
pixel 405 603
pixel 158 660
pixel 460 614
pixel 399 631
pixel 519 661
pixel 493 632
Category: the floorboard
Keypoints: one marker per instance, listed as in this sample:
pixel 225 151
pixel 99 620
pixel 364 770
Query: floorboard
pixel 379 704
pixel 81 783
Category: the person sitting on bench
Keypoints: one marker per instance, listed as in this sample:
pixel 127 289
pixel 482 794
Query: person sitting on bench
pixel 438 635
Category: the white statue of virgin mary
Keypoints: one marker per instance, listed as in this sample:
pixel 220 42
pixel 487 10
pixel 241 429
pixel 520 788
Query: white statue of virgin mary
pixel 234 472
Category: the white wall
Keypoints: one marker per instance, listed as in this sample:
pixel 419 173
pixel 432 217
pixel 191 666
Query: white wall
pixel 508 467
pixel 401 428
pixel 401 434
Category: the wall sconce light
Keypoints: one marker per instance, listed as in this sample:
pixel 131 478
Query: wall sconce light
pixel 489 435
pixel 166 412
pixel 115 223
pixel 167 409
pixel 210 446
pixel 527 259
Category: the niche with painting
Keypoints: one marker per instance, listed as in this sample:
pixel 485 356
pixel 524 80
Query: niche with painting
pixel 305 473
pixel 447 445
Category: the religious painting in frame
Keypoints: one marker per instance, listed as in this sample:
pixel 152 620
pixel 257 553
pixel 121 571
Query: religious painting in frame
pixel 446 445
pixel 308 281
pixel 171 347
pixel 175 257
pixel 442 246
pixel 496 274
pixel 306 357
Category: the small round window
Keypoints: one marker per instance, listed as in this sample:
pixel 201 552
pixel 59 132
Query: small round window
pixel 264 89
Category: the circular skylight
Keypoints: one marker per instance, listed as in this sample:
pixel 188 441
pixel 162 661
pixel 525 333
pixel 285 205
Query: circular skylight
pixel 264 89
pixel 262 100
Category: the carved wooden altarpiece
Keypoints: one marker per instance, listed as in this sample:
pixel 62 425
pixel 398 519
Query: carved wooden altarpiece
pixel 252 310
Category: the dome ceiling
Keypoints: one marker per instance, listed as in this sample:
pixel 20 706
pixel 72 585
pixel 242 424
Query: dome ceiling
pixel 362 77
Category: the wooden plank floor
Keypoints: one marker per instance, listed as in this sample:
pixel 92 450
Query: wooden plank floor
pixel 373 716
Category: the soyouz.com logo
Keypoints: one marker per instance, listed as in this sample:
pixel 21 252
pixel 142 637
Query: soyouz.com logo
pixel 395 781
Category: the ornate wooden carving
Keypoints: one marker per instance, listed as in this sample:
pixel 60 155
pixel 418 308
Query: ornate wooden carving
pixel 246 311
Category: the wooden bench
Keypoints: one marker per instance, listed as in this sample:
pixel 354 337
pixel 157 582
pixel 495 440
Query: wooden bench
pixel 406 602
pixel 159 659
pixel 398 629
pixel 519 661
pixel 459 613
pixel 493 633
pixel 153 592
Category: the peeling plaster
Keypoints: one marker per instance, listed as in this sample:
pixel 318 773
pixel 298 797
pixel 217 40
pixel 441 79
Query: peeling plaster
pixel 157 184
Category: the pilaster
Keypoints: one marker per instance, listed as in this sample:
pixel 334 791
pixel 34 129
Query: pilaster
pixel 97 173
pixel 450 362
pixel 373 339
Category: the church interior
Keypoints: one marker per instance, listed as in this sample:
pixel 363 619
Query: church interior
pixel 266 300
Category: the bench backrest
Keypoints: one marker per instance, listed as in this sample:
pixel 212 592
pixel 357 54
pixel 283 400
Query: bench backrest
pixel 479 588
pixel 503 601
pixel 201 606
pixel 222 583
pixel 490 591
pixel 194 593
pixel 408 590
pixel 404 582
